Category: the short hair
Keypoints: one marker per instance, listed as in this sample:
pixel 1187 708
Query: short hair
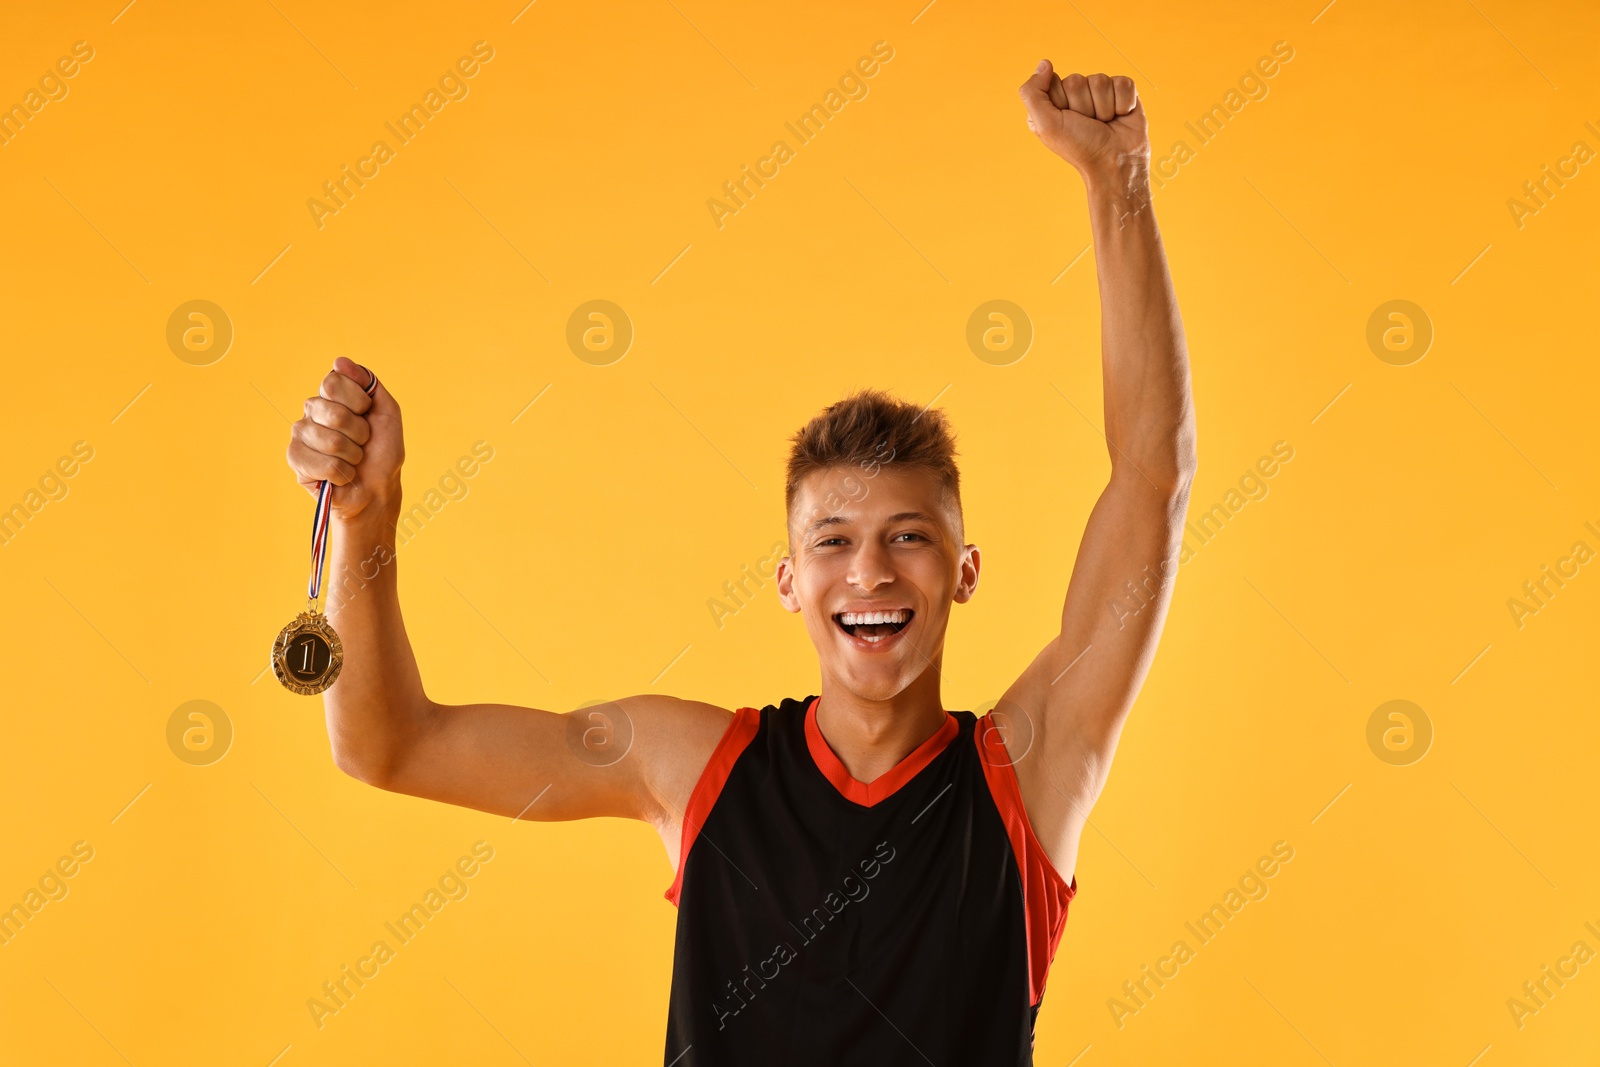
pixel 871 429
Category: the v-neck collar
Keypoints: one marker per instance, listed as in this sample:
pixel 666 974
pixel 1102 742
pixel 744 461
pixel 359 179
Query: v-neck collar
pixel 885 785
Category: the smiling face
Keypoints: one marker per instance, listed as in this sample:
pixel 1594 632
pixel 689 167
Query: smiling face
pixel 877 561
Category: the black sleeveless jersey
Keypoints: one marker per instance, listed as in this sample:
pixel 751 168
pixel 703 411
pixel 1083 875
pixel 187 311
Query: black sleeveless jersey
pixel 823 922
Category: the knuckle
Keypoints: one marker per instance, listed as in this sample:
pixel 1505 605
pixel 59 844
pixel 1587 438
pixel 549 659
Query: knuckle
pixel 1075 80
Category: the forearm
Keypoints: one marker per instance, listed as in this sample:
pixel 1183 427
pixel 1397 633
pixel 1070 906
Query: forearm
pixel 1149 414
pixel 378 704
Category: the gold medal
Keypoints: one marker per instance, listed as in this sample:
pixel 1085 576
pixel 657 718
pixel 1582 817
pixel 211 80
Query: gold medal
pixel 307 655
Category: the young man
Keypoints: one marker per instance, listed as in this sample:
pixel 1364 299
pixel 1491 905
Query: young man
pixel 863 877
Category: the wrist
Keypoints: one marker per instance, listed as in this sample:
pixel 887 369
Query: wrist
pixel 364 549
pixel 1119 193
pixel 1126 177
pixel 376 518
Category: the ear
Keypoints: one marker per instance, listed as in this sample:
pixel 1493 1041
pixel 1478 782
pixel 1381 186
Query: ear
pixel 786 594
pixel 967 574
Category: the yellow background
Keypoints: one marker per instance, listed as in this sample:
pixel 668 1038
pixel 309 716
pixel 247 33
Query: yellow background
pixel 579 566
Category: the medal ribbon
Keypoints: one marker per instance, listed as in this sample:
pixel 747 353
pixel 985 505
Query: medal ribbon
pixel 319 520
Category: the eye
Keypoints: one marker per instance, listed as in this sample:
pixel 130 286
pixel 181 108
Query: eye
pixel 910 533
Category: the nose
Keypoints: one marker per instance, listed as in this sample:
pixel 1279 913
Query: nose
pixel 870 567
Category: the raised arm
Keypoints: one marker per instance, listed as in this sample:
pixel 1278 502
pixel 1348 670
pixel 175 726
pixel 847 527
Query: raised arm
pixel 1064 714
pixel 637 757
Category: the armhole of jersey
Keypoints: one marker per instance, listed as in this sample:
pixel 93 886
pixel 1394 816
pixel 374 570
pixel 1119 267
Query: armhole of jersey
pixel 709 787
pixel 1045 895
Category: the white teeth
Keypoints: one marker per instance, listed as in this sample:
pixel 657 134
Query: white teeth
pixel 871 618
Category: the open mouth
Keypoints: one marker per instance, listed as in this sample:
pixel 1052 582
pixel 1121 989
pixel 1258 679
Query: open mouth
pixel 873 626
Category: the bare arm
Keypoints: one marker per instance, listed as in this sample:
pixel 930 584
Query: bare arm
pixel 1069 705
pixel 636 758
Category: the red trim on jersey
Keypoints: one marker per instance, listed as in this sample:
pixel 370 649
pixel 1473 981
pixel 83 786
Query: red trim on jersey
pixel 882 787
pixel 706 790
pixel 1045 896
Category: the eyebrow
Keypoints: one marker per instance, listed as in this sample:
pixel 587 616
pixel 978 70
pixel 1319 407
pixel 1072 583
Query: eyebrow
pixel 899 516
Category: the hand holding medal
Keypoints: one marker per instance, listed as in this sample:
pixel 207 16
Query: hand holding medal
pixel 325 451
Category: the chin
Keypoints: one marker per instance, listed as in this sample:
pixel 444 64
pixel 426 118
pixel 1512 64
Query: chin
pixel 874 682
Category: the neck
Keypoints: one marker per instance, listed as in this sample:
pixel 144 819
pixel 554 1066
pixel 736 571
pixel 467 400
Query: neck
pixel 871 736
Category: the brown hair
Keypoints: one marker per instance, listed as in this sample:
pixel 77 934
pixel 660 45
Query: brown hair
pixel 870 429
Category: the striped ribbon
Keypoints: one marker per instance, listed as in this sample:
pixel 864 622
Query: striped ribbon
pixel 319 520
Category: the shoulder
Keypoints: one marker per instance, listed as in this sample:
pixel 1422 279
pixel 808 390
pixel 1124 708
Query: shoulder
pixel 668 731
pixel 674 739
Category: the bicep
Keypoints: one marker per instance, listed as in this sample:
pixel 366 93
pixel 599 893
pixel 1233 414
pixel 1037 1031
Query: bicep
pixel 633 758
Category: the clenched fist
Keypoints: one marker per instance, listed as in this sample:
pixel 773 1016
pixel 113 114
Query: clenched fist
pixel 350 439
pixel 1096 123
